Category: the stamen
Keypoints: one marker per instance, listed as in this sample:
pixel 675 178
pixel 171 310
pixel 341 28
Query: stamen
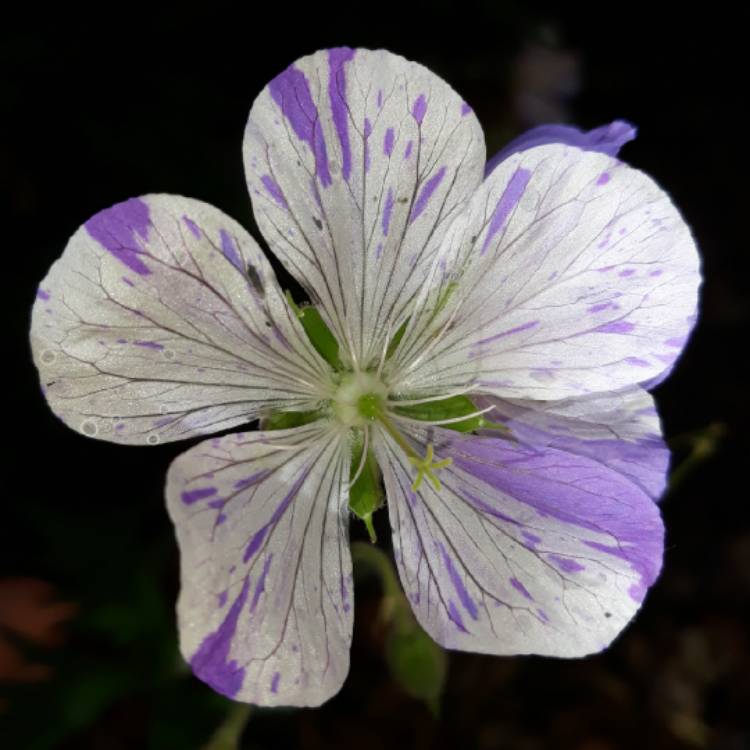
pixel 386 343
pixel 435 339
pixel 453 420
pixel 363 460
pixel 443 397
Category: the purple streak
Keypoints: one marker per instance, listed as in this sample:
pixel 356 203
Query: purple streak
pixel 192 496
pixel 274 190
pixel 508 201
pixel 388 142
pixel 419 109
pixel 230 250
pixel 425 194
pixel 291 92
pixel 210 663
pixel 337 97
pixel 458 584
pixel 116 229
pixel 192 226
pixel 387 210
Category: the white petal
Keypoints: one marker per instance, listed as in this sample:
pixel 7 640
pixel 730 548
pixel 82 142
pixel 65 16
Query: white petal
pixel 163 320
pixel 572 273
pixel 521 550
pixel 356 163
pixel 620 430
pixel 265 610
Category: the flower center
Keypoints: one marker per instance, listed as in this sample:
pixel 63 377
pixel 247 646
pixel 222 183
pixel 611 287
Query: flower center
pixel 360 399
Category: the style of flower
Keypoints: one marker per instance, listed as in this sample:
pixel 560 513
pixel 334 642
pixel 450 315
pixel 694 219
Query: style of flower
pixel 485 342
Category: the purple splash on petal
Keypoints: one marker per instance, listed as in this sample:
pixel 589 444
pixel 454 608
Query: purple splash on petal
pixel 260 586
pixel 637 592
pixel 465 109
pixel 455 616
pixel 407 150
pixel 116 229
pixel 259 535
pixel 508 201
pixel 518 329
pixel 149 345
pixel 275 682
pixel 222 598
pixel 380 98
pixel 259 476
pixel 367 134
pixel 566 564
pixel 192 226
pixel 425 194
pixel 419 109
pixel 586 494
pixel 607 139
pixel 616 326
pixel 637 362
pixel 192 496
pixel 230 250
pixel 127 281
pixel 603 178
pixel 518 586
pixel 274 190
pixel 255 543
pixel 532 539
pixel 211 662
pixel 291 92
pixel 387 210
pixel 41 294
pixel 337 97
pixel 388 142
pixel 458 584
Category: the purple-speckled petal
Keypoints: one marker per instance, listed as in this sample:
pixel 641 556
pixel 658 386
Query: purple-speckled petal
pixel 620 430
pixel 568 274
pixel 357 162
pixel 521 550
pixel 606 139
pixel 163 320
pixel 265 608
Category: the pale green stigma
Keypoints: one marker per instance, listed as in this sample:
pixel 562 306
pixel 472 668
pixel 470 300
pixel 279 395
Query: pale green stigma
pixel 426 467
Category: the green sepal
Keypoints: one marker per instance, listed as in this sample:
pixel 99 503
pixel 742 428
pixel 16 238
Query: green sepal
pixel 285 420
pixel 366 494
pixel 416 662
pixel 317 331
pixel 449 408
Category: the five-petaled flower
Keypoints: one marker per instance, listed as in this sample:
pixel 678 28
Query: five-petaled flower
pixel 552 287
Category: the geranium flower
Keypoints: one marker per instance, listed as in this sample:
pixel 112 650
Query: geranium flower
pixel 549 293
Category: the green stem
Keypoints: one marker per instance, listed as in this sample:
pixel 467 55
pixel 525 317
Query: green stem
pixel 227 736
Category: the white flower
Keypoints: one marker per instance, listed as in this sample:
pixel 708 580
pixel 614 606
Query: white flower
pixel 549 292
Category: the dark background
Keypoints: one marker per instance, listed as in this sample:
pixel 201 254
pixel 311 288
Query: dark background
pixel 95 110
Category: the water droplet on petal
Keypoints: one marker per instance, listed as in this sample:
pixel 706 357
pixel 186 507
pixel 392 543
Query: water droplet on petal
pixel 48 356
pixel 89 428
